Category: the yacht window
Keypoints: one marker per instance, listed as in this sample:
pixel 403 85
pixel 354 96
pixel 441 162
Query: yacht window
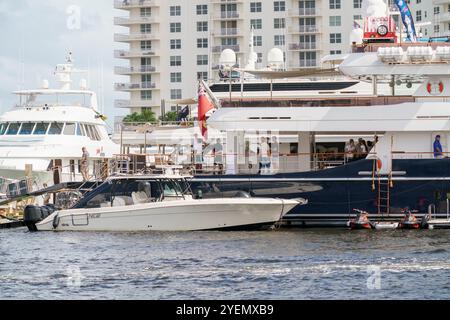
pixel 95 133
pixel 27 128
pixel 69 129
pixel 3 127
pixel 82 129
pixel 89 132
pixel 41 128
pixel 79 133
pixel 13 129
pixel 56 128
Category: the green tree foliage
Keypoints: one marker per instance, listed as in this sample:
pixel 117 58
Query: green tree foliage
pixel 170 117
pixel 145 116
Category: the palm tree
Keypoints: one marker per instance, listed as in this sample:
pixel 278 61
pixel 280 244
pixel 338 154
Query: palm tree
pixel 146 115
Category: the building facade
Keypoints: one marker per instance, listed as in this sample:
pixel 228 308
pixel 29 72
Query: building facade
pixel 167 45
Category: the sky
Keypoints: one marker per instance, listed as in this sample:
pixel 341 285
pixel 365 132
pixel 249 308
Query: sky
pixel 35 35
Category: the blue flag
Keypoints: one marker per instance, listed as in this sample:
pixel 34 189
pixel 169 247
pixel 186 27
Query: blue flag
pixel 407 19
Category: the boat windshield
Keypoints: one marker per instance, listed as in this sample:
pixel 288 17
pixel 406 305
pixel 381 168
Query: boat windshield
pixel 126 192
pixel 55 99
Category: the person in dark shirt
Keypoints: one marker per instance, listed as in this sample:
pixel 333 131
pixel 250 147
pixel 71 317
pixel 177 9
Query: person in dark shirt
pixel 437 148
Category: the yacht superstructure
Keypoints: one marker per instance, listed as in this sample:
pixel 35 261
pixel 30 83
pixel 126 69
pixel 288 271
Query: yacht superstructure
pixel 402 168
pixel 42 137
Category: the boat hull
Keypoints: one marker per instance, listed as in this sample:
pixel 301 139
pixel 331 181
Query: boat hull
pixel 178 215
pixel 333 193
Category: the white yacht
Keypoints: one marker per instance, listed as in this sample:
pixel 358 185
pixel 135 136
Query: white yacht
pixel 43 135
pixel 158 203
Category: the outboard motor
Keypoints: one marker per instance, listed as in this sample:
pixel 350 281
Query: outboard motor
pixel 35 214
pixel 31 216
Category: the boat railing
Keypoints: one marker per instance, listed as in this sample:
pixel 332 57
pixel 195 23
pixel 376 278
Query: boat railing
pixel 216 163
pixel 398 155
pixel 373 47
pixel 149 126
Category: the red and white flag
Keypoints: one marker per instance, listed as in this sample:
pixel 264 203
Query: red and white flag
pixel 204 106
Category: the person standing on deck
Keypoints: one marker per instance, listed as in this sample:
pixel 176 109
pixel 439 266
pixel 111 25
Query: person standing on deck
pixel 85 165
pixel 437 148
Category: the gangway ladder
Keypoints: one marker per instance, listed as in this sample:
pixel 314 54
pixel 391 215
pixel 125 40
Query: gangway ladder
pixel 384 194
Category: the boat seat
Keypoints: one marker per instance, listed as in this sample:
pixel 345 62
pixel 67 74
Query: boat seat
pixel 140 197
pixel 122 201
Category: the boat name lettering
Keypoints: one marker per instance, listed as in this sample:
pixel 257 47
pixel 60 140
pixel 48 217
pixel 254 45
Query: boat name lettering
pixel 95 216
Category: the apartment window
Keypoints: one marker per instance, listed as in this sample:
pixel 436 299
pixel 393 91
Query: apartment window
pixel 202 26
pixel 202 60
pixel 146 80
pixel 256 23
pixel 202 75
pixel 335 4
pixel 146 45
pixel 255 7
pixel 357 4
pixel 357 17
pixel 335 38
pixel 229 41
pixel 146 28
pixel 202 43
pixel 279 23
pixel 333 52
pixel 146 61
pixel 259 57
pixel 175 11
pixel 175 44
pixel 146 95
pixel 436 29
pixel 176 94
pixel 202 9
pixel 335 21
pixel 146 12
pixel 308 59
pixel 308 42
pixel 437 10
pixel 257 41
pixel 175 61
pixel 419 15
pixel 279 40
pixel 279 6
pixel 175 77
pixel 175 27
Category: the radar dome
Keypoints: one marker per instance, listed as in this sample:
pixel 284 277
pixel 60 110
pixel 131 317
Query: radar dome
pixel 228 58
pixel 275 57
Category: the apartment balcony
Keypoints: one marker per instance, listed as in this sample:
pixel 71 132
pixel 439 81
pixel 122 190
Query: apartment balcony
pixel 304 30
pixel 441 2
pixel 227 1
pixel 304 12
pixel 126 71
pixel 227 32
pixel 304 64
pixel 122 21
pixel 443 17
pixel 219 49
pixel 123 54
pixel 134 37
pixel 306 46
pixel 135 103
pixel 227 15
pixel 129 4
pixel 127 87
